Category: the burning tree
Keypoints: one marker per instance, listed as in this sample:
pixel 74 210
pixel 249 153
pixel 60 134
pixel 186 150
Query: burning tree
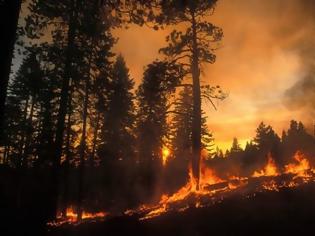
pixel 192 47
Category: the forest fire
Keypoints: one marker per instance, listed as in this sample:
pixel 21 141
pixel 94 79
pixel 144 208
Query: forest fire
pixel 116 112
pixel 214 189
pixel 269 170
pixel 71 217
pixel 300 167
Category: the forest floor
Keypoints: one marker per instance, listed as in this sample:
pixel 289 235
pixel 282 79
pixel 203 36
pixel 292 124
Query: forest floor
pixel 291 211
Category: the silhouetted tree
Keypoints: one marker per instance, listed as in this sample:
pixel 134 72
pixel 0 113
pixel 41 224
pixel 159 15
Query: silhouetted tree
pixel 235 146
pixel 192 47
pixel 9 16
pixel 297 139
pixel 159 82
pixel 116 149
pixel 181 134
pixel 24 94
pixel 266 139
pixel 117 134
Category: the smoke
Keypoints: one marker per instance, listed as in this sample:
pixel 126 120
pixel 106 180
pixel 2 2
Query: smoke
pixel 301 95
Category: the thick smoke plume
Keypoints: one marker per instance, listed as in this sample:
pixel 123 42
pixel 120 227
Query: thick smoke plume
pixel 301 96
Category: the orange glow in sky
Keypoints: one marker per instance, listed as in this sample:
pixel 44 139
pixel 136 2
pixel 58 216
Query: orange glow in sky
pixel 259 60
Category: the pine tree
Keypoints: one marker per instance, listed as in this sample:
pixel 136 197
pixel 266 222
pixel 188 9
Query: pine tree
pixel 119 117
pixel 235 146
pixel 9 16
pixel 267 142
pixel 24 94
pixel 159 82
pixel 192 48
pixel 182 135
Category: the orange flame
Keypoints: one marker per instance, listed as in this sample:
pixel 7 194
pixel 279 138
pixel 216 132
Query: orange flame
pixel 207 178
pixel 269 170
pixel 213 189
pixel 165 155
pixel 300 167
pixel 72 217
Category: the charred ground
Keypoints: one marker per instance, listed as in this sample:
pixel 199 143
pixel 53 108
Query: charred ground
pixel 287 212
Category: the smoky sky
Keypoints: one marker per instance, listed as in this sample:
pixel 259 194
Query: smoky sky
pixel 301 96
pixel 265 63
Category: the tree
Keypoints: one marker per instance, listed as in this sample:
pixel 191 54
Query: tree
pixel 192 48
pixel 267 142
pixel 297 139
pixel 119 117
pixel 62 14
pixel 116 148
pixel 181 134
pixel 24 94
pixel 159 82
pixel 9 16
pixel 235 146
pixel 266 138
pixel 73 27
pixel 95 43
pixel 181 127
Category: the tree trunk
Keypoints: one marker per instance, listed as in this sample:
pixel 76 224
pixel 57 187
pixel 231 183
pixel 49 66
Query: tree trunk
pixel 92 157
pixel 83 145
pixel 196 121
pixel 22 141
pixel 63 105
pixel 5 154
pixel 67 160
pixel 28 135
pixel 9 16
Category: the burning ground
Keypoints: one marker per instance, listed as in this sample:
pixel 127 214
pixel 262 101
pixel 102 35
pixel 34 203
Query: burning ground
pixel 213 190
pixel 271 201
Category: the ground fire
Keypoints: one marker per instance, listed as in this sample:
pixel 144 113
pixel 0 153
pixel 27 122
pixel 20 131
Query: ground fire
pixel 71 217
pixel 212 190
pixel 156 117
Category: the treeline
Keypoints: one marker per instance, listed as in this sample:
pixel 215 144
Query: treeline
pixel 77 131
pixel 243 162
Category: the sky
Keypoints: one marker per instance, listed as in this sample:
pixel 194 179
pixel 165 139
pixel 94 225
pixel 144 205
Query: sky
pixel 265 63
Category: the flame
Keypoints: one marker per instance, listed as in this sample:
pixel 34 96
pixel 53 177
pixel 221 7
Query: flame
pixel 300 167
pixel 165 155
pixel 269 170
pixel 213 189
pixel 207 178
pixel 72 217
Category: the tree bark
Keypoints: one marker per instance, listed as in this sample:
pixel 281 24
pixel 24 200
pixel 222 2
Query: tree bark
pixel 83 145
pixel 196 121
pixel 64 96
pixel 92 157
pixel 67 160
pixel 9 16
pixel 22 141
pixel 28 134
